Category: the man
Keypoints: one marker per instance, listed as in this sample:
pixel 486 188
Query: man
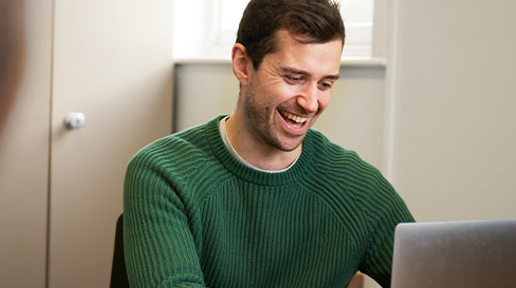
pixel 258 199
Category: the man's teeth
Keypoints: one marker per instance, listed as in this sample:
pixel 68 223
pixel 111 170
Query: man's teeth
pixel 293 117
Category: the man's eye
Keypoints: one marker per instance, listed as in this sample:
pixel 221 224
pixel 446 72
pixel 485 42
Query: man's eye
pixel 293 78
pixel 326 85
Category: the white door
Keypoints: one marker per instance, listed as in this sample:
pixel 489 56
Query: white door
pixel 113 63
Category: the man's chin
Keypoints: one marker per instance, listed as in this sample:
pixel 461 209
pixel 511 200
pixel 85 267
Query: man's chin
pixel 289 146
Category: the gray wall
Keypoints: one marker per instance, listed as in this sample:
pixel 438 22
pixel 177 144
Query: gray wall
pixel 455 93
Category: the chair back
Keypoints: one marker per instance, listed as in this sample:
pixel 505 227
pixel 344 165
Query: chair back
pixel 118 272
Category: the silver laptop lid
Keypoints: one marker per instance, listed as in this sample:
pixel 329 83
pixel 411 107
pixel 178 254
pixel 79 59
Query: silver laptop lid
pixel 472 254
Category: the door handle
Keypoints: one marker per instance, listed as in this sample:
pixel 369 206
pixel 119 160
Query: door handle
pixel 74 120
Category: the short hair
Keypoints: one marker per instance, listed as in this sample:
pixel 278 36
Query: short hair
pixel 307 21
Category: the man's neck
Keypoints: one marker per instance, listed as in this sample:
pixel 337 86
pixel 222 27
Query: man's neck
pixel 255 151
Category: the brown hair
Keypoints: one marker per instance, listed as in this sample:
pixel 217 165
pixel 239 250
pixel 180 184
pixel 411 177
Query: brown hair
pixel 307 21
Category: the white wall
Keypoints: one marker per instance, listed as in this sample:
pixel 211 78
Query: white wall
pixel 454 133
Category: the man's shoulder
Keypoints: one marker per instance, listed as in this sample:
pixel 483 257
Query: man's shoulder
pixel 181 161
pixel 175 150
pixel 330 153
pixel 346 169
pixel 341 165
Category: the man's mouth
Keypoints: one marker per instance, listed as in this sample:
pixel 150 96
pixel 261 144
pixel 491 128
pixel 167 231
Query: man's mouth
pixel 293 120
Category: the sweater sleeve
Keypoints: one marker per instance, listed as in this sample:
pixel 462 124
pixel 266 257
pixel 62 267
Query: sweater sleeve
pixel 159 245
pixel 384 212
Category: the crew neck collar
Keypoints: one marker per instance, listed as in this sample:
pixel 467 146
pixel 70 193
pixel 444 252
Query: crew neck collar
pixel 232 150
pixel 300 169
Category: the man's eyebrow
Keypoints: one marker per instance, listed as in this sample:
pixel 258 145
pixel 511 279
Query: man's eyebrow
pixel 332 77
pixel 290 70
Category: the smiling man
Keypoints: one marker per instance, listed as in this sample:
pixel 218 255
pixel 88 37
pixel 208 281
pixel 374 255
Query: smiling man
pixel 257 198
pixel 281 99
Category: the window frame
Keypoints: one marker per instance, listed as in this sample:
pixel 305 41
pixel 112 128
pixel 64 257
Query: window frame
pixel 212 41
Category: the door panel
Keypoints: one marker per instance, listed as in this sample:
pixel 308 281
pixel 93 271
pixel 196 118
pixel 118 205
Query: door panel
pixel 112 62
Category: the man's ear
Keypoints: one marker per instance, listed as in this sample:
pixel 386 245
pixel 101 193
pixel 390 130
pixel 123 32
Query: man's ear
pixel 241 63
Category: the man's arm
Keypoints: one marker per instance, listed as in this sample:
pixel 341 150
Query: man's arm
pixel 159 245
pixel 389 210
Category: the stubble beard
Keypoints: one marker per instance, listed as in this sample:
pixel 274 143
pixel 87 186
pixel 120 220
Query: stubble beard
pixel 261 123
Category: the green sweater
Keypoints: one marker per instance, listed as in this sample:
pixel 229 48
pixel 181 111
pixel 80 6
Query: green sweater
pixel 194 216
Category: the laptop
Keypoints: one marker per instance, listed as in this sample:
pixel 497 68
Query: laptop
pixel 467 254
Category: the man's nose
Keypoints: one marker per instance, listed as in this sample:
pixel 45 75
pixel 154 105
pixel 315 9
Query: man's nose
pixel 308 98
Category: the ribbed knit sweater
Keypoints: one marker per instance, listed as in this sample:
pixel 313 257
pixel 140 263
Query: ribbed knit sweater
pixel 194 216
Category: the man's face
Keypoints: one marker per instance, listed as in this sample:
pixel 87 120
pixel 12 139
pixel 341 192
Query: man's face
pixel 289 90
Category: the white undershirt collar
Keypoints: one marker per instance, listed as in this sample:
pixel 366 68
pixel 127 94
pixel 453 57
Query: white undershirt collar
pixel 225 138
